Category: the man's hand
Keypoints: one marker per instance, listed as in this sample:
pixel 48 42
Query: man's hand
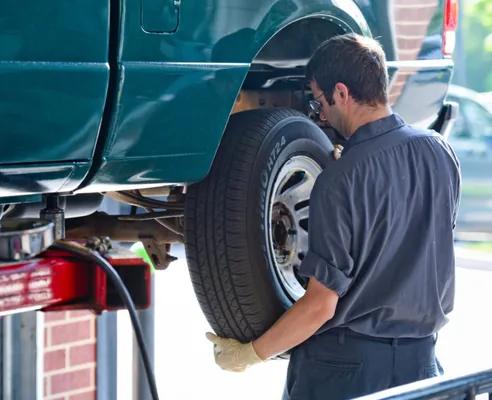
pixel 337 151
pixel 231 355
pixel 296 325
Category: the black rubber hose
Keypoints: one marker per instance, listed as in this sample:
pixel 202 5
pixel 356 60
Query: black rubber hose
pixel 125 297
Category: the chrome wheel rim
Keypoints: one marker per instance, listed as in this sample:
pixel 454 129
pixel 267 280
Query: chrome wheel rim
pixel 288 221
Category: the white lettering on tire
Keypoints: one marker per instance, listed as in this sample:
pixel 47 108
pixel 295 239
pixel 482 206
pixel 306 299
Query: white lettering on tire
pixel 265 175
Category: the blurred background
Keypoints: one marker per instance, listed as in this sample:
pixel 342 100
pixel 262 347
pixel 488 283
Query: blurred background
pixel 471 136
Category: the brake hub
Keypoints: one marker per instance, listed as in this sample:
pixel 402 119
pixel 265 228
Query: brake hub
pixel 283 231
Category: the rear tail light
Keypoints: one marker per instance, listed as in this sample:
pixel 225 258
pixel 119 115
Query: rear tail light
pixel 450 24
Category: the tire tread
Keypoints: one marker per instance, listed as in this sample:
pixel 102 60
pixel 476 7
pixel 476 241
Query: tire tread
pixel 216 248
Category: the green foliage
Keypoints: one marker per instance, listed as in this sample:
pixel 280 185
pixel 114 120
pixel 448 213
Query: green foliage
pixel 482 10
pixel 477 35
pixel 485 247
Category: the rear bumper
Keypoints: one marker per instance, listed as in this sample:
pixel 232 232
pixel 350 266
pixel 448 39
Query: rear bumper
pixel 446 118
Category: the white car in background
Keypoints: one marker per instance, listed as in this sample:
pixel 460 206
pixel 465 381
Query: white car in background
pixel 487 96
pixel 471 138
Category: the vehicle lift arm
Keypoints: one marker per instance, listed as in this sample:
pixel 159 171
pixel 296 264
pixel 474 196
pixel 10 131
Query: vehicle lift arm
pixel 40 271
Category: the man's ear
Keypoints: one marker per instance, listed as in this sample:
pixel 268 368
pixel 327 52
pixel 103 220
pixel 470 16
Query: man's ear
pixel 341 93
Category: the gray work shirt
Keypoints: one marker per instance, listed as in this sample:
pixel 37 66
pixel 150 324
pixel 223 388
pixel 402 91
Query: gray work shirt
pixel 381 222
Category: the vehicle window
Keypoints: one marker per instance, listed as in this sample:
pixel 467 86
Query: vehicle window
pixel 479 119
pixel 460 128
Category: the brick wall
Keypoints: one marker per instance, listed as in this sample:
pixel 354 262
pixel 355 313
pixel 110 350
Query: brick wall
pixel 70 355
pixel 412 18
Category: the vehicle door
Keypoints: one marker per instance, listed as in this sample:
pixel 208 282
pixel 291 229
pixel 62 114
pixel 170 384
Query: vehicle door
pixel 54 77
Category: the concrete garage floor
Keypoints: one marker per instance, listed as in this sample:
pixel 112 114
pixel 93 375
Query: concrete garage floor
pixel 185 368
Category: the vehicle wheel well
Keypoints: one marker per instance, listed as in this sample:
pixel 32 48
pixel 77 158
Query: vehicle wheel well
pixel 292 46
pixel 276 75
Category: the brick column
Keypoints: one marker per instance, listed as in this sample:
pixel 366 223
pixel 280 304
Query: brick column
pixel 70 355
pixel 412 18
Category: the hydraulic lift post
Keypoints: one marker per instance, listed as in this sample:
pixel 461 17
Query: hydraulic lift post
pixel 22 356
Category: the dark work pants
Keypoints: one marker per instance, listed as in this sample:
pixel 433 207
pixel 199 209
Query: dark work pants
pixel 340 365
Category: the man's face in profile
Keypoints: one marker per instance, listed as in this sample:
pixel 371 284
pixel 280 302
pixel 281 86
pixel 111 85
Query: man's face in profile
pixel 330 114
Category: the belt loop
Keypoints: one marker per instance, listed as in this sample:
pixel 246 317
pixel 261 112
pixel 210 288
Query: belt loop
pixel 394 343
pixel 341 336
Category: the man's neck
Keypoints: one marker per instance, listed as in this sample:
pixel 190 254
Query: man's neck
pixel 363 115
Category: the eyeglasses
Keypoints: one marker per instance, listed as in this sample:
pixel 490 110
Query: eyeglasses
pixel 315 105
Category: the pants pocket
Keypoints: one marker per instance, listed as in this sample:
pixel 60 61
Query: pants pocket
pixel 329 379
pixel 429 371
pixel 339 365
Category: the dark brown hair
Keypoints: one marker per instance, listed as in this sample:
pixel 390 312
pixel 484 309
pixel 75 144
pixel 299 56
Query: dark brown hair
pixel 356 61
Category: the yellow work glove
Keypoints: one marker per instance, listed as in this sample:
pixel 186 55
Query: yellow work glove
pixel 231 355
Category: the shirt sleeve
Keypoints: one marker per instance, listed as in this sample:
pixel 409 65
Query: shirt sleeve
pixel 328 259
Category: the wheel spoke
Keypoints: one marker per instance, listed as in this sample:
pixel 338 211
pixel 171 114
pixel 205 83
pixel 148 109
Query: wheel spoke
pixel 303 240
pixel 298 192
pixel 301 214
pixel 297 260
pixel 290 211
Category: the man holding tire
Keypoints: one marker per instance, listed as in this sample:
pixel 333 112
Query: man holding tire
pixel 380 262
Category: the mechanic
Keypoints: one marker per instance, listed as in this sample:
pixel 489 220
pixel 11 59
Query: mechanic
pixel 381 255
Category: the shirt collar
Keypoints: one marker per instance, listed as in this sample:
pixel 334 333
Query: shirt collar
pixel 372 130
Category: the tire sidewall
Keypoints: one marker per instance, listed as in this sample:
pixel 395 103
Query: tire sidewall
pixel 295 135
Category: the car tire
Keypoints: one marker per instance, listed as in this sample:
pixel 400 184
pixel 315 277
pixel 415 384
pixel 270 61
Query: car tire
pixel 241 239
